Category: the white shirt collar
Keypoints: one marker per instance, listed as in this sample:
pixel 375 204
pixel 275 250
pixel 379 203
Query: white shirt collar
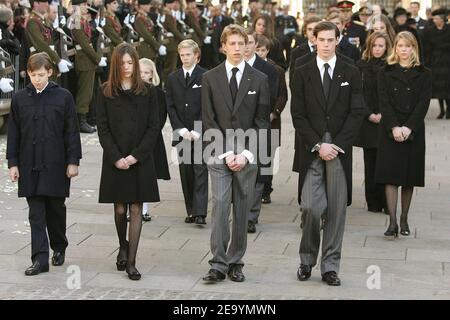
pixel 311 45
pixel 40 91
pixel 340 38
pixel 331 62
pixel 229 66
pixel 251 61
pixel 189 71
pixel 417 18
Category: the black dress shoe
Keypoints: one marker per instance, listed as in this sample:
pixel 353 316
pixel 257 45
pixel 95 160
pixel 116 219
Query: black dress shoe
pixel 235 273
pixel 304 272
pixel 58 258
pixel 404 228
pixel 146 217
pixel 36 268
pixel 213 275
pixel 189 219
pixel 331 278
pixel 85 127
pixel 133 273
pixel 266 199
pixel 391 233
pixel 251 228
pixel 200 220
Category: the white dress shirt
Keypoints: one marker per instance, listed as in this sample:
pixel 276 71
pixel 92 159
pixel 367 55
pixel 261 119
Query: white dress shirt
pixel 311 46
pixel 251 61
pixel 40 91
pixel 188 71
pixel 241 66
pixel 229 67
pixel 182 131
pixel 320 65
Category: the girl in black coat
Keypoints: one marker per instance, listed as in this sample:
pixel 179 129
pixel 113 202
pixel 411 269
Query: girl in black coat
pixel 128 130
pixel 377 48
pixel 437 57
pixel 404 91
pixel 150 75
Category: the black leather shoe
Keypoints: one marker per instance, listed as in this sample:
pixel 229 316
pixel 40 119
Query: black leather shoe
pixel 58 258
pixel 133 273
pixel 36 268
pixel 213 276
pixel 266 199
pixel 404 228
pixel 331 278
pixel 200 220
pixel 251 228
pixel 304 272
pixel 85 127
pixel 391 233
pixel 146 217
pixel 189 219
pixel 235 273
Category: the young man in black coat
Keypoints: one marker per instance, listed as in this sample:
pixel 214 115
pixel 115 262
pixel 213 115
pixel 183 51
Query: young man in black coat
pixel 184 105
pixel 43 152
pixel 327 111
pixel 344 46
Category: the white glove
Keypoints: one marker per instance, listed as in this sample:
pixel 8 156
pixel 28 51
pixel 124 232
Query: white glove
pixel 62 21
pixel 64 65
pixel 207 40
pixel 6 85
pixel 55 23
pixel 127 19
pixel 162 50
pixel 102 62
pixel 103 22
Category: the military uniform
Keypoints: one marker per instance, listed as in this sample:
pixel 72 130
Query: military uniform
pixel 86 61
pixel 355 32
pixel 149 46
pixel 285 28
pixel 196 32
pixel 113 30
pixel 39 32
pixel 174 37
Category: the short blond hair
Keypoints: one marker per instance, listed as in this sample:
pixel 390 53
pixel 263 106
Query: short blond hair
pixel 232 29
pixel 149 63
pixel 414 60
pixel 189 44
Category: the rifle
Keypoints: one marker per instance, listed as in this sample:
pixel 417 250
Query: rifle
pixel 5 59
pixel 64 39
pixel 103 41
pixel 132 36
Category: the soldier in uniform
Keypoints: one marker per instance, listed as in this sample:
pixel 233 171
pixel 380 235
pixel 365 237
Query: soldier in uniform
pixel 113 27
pixel 174 36
pixel 39 32
pixel 354 31
pixel 86 62
pixel 149 47
pixel 192 21
pixel 285 28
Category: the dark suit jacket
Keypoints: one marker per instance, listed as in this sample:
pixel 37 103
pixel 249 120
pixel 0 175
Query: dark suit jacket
pixel 313 115
pixel 347 49
pixel 184 103
pixel 250 111
pixel 270 71
pixel 217 29
pixel 298 52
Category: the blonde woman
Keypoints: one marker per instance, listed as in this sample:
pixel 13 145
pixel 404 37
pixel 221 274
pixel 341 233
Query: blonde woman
pixel 378 47
pixel 150 76
pixel 404 91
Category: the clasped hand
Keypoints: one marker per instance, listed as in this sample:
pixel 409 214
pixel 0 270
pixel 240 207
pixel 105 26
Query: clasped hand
pixel 125 163
pixel 401 134
pixel 236 162
pixel 328 151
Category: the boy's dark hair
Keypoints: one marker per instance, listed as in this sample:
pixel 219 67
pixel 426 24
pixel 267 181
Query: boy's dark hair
pixel 326 26
pixel 39 60
pixel 312 19
pixel 263 41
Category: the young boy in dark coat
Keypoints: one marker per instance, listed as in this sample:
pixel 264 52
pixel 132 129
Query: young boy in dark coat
pixel 44 152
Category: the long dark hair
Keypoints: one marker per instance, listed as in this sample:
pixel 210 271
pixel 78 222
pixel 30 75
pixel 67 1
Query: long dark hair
pixel 113 85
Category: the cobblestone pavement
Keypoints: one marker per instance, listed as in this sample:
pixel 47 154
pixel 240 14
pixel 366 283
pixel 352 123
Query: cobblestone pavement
pixel 173 256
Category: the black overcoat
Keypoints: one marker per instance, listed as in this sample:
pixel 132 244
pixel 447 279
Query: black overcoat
pixel 128 126
pixel 43 138
pixel 404 97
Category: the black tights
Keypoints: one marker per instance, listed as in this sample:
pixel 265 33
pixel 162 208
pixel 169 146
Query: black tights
pixel 134 231
pixel 391 203
pixel 442 107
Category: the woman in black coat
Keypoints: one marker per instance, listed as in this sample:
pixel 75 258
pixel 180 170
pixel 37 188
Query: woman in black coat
pixel 404 91
pixel 437 57
pixel 128 129
pixel 377 48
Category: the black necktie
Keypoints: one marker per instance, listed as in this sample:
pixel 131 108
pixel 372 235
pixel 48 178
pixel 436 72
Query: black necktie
pixel 326 84
pixel 233 84
pixel 187 78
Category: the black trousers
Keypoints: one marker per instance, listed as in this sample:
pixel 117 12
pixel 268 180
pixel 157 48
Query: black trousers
pixel 375 197
pixel 194 182
pixel 47 214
